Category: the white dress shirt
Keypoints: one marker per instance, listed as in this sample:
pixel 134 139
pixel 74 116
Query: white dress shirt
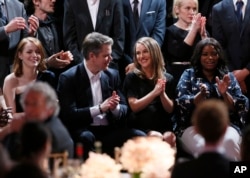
pixel 139 5
pixel 98 118
pixel 93 9
pixel 243 8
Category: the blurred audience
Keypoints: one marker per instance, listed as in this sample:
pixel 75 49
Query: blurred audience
pixel 40 103
pixel 245 144
pixel 210 120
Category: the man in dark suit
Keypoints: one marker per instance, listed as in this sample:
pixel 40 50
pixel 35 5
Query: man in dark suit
pixel 84 17
pixel 12 29
pixel 93 107
pixel 210 120
pixel 233 35
pixel 152 23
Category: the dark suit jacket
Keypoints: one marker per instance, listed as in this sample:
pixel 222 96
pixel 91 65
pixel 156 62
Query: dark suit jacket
pixel 8 42
pixel 76 98
pixel 77 24
pixel 152 23
pixel 207 165
pixel 14 9
pixel 225 28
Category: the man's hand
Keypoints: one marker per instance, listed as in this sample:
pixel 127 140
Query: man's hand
pixel 60 60
pixel 33 25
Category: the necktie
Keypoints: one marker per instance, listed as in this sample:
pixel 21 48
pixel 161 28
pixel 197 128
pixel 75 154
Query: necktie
pixel 239 5
pixel 136 13
pixel 3 18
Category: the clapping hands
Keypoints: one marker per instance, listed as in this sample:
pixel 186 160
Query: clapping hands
pixel 160 87
pixel 111 102
pixel 223 84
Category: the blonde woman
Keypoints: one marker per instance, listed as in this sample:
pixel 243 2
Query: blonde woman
pixel 182 36
pixel 28 67
pixel 149 89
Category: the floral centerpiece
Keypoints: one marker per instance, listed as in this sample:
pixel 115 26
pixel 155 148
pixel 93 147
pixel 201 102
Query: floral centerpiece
pixel 147 157
pixel 100 166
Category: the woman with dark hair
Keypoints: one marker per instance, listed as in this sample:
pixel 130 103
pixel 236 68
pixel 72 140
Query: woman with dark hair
pixel 210 78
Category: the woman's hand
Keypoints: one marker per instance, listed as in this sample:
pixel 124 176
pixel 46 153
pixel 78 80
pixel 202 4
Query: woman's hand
pixel 223 84
pixel 160 87
pixel 204 90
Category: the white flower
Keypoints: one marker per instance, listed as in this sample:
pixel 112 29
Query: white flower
pixel 149 156
pixel 100 166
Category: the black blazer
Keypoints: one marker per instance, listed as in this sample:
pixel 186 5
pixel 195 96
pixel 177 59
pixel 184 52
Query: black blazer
pixel 225 28
pixel 77 24
pixel 207 165
pixel 76 98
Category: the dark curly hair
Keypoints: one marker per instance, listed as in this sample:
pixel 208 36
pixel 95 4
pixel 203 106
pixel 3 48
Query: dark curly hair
pixel 222 68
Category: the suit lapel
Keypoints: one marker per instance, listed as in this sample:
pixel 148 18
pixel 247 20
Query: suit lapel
pixel 103 11
pixel 246 18
pixel 84 85
pixel 144 9
pixel 85 15
pixel 105 86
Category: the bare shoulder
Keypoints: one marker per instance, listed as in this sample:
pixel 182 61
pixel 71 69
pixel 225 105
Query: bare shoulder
pixel 11 81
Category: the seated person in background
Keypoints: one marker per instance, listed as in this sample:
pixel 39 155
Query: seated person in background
pixel 28 67
pixel 5 112
pixel 211 121
pixel 6 163
pixel 35 143
pixel 245 144
pixel 209 78
pixel 93 107
pixel 27 170
pixel 149 89
pixel 40 103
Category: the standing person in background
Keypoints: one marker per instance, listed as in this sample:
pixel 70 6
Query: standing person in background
pixel 182 36
pixel 151 23
pixel 49 34
pixel 14 25
pixel 84 17
pixel 93 106
pixel 205 8
pixel 233 34
pixel 28 67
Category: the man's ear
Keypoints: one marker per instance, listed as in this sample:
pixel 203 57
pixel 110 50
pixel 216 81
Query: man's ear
pixel 35 2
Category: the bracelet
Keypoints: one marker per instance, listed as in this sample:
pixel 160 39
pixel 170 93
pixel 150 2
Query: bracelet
pixel 100 109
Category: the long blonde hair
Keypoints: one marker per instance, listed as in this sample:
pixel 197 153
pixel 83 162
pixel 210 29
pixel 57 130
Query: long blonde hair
pixel 158 64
